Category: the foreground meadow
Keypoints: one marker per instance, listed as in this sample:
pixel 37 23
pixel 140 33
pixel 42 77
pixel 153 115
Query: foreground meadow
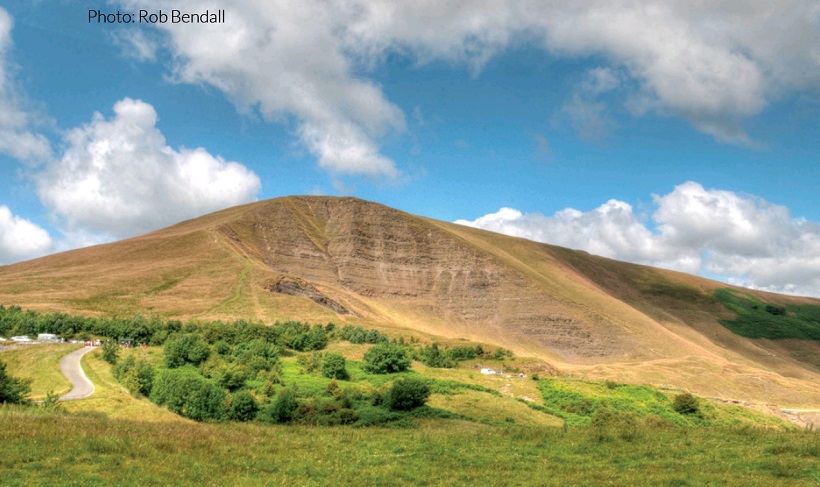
pixel 90 449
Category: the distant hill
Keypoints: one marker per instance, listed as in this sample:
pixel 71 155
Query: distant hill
pixel 345 260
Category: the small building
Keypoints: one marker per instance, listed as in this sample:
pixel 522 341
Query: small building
pixel 488 371
pixel 47 337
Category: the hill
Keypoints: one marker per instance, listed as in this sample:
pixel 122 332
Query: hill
pixel 345 260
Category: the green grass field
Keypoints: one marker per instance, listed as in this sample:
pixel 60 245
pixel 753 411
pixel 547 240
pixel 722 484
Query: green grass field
pixel 41 364
pixel 758 319
pixel 491 437
pixel 89 449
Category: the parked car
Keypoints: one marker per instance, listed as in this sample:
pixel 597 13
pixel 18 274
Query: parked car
pixel 22 338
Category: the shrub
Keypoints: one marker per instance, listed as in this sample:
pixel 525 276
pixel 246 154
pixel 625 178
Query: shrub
pixel 311 362
pixel 461 353
pixel 376 416
pixel 686 404
pixel 188 348
pixel 385 358
pixel 407 394
pixel 13 390
pixel 231 376
pixel 333 367
pixel 432 356
pixel 110 350
pixel 184 391
pixel 281 409
pixel 136 375
pixel 52 402
pixel 243 407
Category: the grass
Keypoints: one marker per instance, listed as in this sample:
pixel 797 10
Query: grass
pixel 114 438
pixel 759 319
pixel 86 449
pixel 41 363
pixel 578 402
pixel 111 400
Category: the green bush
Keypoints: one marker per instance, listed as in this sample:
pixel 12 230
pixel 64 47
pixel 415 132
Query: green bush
pixel 386 358
pixel 461 353
pixel 136 375
pixel 281 409
pixel 243 406
pixel 686 404
pixel 376 416
pixel 432 356
pixel 110 350
pixel 184 391
pixel 407 394
pixel 333 366
pixel 188 348
pixel 12 389
pixel 231 375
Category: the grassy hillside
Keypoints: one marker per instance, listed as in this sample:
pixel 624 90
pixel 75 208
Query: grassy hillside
pixel 499 430
pixel 349 261
pixel 756 318
pixel 40 363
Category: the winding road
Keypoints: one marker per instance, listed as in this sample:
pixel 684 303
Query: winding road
pixel 70 365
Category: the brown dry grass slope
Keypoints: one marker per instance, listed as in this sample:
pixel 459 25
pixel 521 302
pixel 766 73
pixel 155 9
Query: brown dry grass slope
pixel 345 260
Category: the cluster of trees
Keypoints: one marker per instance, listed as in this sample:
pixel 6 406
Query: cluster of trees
pixel 434 356
pixel 219 373
pixel 155 331
pixel 215 370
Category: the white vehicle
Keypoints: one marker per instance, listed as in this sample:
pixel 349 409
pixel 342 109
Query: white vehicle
pixel 2 339
pixel 21 338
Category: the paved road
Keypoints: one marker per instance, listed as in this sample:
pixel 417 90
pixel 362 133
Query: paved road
pixel 70 365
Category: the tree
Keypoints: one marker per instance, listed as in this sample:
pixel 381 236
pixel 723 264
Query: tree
pixel 243 406
pixel 110 350
pixel 333 367
pixel 386 358
pixel 188 348
pixel 407 394
pixel 686 404
pixel 184 391
pixel 281 409
pixel 13 390
pixel 136 375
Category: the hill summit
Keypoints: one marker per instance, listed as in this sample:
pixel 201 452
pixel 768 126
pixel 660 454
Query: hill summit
pixel 346 260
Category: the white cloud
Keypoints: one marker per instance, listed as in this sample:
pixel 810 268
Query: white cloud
pixel 136 44
pixel 16 137
pixel 119 178
pixel 714 64
pixel 20 239
pixel 288 59
pixel 746 239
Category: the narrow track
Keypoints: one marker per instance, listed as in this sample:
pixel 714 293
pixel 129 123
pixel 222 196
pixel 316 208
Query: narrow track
pixel 71 368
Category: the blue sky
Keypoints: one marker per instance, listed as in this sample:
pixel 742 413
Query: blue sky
pixel 666 134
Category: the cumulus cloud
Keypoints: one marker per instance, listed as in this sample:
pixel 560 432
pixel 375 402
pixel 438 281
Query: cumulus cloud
pixel 21 239
pixel 16 137
pixel 714 64
pixel 287 60
pixel 118 178
pixel 745 239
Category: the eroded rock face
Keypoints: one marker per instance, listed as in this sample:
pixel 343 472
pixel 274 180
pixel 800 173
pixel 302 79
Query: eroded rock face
pixel 381 253
pixel 293 286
